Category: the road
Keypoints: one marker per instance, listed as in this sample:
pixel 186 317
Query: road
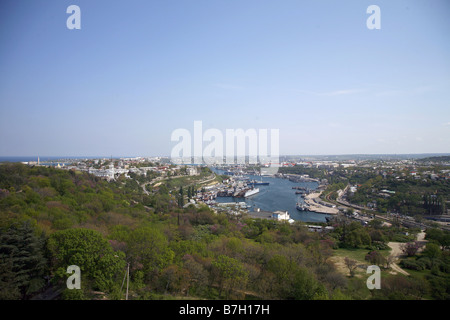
pixel 159 179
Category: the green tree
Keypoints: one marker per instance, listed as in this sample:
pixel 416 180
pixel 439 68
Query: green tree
pixel 356 236
pixel 22 262
pixel 181 198
pixel 433 252
pixel 293 281
pixel 189 195
pixel 306 287
pixel 87 249
pixel 281 267
pixel 148 250
pixel 442 237
pixel 230 273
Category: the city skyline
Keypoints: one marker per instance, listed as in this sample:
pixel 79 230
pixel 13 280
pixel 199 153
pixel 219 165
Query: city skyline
pixel 138 70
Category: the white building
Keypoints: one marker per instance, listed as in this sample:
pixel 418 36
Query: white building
pixel 281 216
pixel 192 171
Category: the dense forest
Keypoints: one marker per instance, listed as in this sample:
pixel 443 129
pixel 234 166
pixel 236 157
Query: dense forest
pixel 51 219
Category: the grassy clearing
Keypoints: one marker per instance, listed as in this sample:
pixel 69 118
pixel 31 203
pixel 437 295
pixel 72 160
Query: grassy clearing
pixel 358 254
pixel 352 253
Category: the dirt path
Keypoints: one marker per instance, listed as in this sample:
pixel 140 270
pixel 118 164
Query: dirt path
pixel 421 240
pixel 396 253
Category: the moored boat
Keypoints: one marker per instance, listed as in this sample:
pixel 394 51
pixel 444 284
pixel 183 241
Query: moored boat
pixel 251 192
pixel 302 207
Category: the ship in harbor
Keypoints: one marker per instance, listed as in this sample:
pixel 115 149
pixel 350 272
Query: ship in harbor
pixel 302 207
pixel 258 183
pixel 242 192
pixel 251 192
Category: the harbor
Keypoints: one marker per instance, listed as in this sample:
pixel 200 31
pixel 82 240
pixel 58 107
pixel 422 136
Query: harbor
pixel 270 194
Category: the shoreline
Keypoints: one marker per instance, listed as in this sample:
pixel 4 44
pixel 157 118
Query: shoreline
pixel 317 207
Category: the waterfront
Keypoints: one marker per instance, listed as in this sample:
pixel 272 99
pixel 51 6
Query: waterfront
pixel 46 160
pixel 278 195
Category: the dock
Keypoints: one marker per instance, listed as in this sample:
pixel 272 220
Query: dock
pixel 318 205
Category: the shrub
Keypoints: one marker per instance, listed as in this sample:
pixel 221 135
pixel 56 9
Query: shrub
pixel 376 245
pixel 376 258
pixel 425 262
pixel 412 264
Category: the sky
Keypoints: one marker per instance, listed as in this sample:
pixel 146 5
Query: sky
pixel 138 70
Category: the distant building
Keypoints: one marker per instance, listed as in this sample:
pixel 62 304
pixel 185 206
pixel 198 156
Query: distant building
pixel 192 171
pixel 108 174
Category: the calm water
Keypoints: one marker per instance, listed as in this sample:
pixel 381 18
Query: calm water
pixel 278 195
pixel 41 158
pixel 46 160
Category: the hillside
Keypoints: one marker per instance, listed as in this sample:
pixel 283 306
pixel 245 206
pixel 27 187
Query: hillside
pixel 51 218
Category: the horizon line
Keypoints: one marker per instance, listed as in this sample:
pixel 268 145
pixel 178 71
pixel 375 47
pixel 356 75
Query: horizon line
pixel 168 156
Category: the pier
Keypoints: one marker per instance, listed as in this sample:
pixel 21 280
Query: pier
pixel 317 205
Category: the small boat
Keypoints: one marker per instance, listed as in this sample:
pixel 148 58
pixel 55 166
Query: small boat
pixel 302 207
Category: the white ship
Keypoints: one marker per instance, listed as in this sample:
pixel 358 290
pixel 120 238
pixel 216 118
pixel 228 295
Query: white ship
pixel 251 192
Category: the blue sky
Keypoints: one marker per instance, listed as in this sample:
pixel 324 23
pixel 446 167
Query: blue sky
pixel 138 70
